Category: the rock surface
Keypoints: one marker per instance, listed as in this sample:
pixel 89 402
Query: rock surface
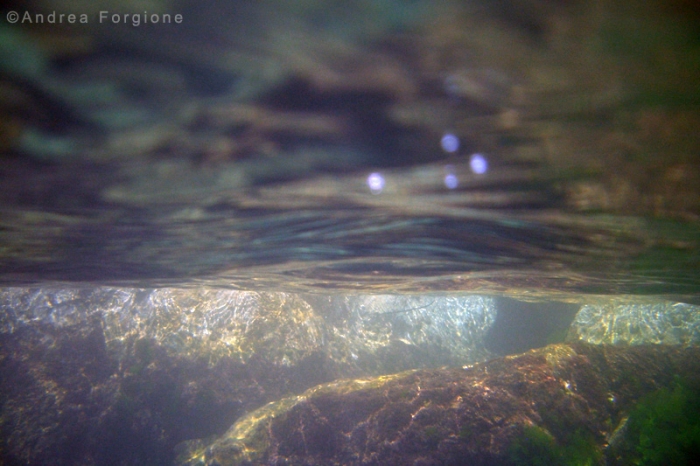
pixel 84 372
pixel 477 415
pixel 623 323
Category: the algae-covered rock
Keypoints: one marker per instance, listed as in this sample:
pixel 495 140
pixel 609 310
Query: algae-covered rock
pixel 566 399
pixel 106 367
pixel 250 438
pixel 662 429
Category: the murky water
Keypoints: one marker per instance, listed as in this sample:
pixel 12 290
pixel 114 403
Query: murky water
pixel 201 217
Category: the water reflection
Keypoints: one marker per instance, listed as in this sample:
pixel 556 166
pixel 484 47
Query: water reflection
pixel 453 147
pixel 497 232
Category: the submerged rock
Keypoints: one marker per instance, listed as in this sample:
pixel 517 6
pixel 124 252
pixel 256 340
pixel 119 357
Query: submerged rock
pixel 355 335
pixel 108 367
pixel 568 398
pixel 620 323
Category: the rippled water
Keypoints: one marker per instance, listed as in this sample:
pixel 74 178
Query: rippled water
pixel 580 185
pixel 499 232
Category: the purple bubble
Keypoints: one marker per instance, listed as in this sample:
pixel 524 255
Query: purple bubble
pixel 449 143
pixel 478 164
pixel 451 181
pixel 375 181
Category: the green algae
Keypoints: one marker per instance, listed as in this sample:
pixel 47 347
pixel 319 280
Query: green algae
pixel 665 427
pixel 537 447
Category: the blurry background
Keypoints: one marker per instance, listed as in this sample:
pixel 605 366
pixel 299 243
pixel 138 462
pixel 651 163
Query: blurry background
pixel 362 145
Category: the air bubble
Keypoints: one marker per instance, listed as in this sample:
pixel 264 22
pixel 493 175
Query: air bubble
pixel 376 182
pixel 449 143
pixel 478 164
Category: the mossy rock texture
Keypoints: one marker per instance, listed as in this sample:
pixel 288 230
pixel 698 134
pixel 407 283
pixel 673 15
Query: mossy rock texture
pixel 561 401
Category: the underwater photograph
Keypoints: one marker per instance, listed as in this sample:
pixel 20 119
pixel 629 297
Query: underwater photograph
pixel 349 232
